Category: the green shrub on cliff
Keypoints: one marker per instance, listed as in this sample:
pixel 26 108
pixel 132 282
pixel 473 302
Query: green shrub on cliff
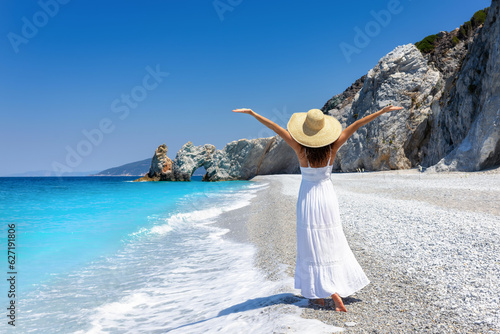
pixel 465 29
pixel 479 17
pixel 427 44
pixel 475 21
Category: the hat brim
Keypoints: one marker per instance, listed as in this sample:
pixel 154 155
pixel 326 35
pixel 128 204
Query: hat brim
pixel 329 133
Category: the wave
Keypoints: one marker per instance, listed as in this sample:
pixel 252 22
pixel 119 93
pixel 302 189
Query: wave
pixel 221 202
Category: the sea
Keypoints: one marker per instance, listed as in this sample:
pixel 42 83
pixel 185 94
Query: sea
pixel 109 255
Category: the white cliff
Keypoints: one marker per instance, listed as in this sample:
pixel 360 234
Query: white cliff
pixel 468 124
pixel 403 78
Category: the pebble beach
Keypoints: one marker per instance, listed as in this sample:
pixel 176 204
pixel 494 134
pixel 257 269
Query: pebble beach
pixel 428 242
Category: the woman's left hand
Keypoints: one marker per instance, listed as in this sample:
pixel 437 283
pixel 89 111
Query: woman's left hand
pixel 390 107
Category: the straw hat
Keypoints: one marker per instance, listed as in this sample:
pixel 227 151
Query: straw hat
pixel 313 128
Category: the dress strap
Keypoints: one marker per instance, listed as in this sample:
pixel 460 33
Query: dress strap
pixel 328 164
pixel 306 157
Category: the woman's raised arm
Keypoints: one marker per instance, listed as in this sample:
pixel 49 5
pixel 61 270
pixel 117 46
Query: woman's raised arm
pixel 348 132
pixel 283 133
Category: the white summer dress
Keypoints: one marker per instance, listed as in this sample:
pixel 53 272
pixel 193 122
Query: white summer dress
pixel 325 263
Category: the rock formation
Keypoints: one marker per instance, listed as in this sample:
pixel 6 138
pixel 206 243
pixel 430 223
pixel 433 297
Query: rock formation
pixel 243 159
pixel 161 166
pixel 190 158
pixel 238 160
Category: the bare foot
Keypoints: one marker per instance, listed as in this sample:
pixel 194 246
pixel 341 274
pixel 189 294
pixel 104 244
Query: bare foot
pixel 319 302
pixel 339 306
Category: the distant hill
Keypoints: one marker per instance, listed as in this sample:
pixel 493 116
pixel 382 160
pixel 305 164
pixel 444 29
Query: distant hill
pixel 137 168
pixel 49 173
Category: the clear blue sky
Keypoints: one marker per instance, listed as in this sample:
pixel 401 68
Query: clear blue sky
pixel 82 65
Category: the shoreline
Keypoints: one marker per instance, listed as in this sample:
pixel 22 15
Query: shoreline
pixel 391 220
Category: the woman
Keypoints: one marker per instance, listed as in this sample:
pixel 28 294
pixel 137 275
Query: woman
pixel 325 263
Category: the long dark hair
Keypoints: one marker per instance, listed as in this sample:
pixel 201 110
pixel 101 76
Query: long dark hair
pixel 318 156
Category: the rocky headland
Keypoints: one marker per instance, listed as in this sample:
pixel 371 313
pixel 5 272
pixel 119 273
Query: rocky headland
pixel 448 84
pixel 238 160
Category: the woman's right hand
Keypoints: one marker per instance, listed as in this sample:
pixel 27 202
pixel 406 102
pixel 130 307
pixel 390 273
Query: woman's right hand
pixel 244 111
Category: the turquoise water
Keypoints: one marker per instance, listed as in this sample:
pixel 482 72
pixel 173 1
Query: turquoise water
pixel 85 243
pixel 107 255
pixel 63 223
